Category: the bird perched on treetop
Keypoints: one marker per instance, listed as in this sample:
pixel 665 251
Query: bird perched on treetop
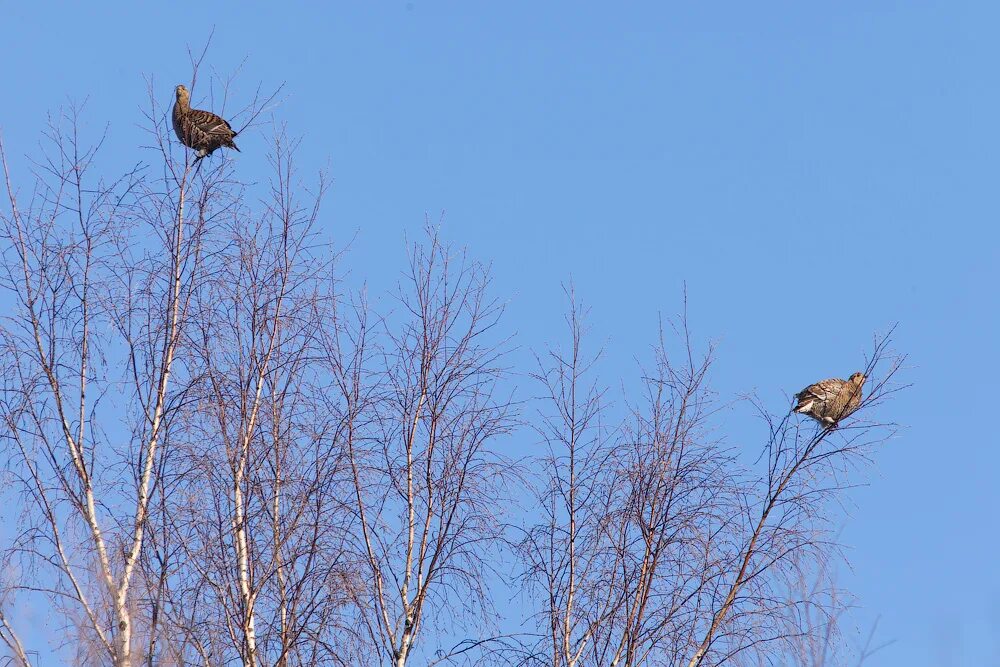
pixel 201 130
pixel 829 401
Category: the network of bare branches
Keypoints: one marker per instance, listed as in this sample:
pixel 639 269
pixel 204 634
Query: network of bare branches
pixel 421 404
pixel 655 545
pixel 219 454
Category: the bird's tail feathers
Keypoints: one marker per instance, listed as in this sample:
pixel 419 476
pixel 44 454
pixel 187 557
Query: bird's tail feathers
pixel 803 407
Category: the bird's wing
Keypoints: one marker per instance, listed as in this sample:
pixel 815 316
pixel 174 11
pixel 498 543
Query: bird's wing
pixel 822 390
pixel 210 125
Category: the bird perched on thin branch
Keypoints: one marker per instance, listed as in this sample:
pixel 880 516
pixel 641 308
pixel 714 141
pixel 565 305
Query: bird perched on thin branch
pixel 829 401
pixel 201 130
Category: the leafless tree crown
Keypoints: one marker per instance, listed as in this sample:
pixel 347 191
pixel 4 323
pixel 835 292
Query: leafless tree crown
pixel 219 454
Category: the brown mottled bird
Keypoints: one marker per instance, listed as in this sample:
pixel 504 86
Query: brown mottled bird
pixel 201 130
pixel 829 401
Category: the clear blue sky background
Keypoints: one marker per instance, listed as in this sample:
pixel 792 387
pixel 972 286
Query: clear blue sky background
pixel 814 173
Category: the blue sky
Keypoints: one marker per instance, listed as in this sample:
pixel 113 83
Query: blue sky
pixel 813 173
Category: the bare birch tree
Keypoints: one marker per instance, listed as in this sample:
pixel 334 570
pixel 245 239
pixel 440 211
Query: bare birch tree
pixel 255 500
pixel 104 277
pixel 786 516
pixel 655 544
pixel 426 412
pixel 91 356
pixel 568 553
pixel 630 510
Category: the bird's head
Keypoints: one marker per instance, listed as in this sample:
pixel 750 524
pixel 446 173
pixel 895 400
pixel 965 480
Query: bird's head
pixel 182 93
pixel 858 378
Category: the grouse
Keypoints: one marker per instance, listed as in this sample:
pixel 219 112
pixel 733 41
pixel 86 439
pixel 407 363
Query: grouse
pixel 201 130
pixel 829 401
